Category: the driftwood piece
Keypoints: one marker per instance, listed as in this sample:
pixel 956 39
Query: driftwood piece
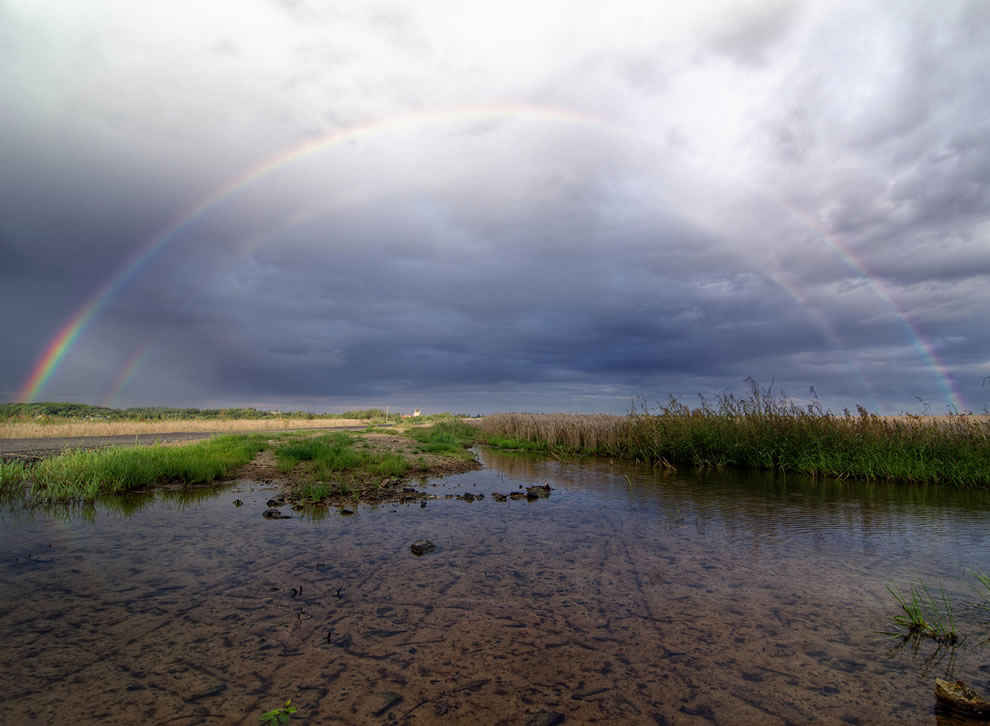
pixel 961 699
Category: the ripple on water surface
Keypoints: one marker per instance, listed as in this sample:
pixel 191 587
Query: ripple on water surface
pixel 626 596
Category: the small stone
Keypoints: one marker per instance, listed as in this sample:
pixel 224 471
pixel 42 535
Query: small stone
pixel 499 497
pixel 517 495
pixel 545 718
pixel 238 503
pixel 275 502
pixel 274 514
pixel 422 546
pixel 345 510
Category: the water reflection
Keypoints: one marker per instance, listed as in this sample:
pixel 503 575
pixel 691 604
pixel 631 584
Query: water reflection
pixel 629 595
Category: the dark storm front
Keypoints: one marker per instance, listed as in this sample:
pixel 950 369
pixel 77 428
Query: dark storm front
pixel 625 596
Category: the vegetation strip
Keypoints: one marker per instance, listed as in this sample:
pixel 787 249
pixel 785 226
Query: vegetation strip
pixel 88 474
pixel 765 432
pixel 325 468
pixel 80 411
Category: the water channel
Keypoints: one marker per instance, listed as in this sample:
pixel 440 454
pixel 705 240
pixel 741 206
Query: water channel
pixel 627 596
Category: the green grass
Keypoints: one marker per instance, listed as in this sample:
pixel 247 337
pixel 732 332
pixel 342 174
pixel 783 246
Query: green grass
pixel 13 477
pixel 984 580
pixel 89 474
pixel 318 491
pixel 769 433
pixel 333 454
pixel 925 617
pixel 507 443
pixel 446 437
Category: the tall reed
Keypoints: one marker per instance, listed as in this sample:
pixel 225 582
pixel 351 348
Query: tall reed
pixel 762 431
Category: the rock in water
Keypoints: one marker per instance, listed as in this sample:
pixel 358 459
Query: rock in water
pixel 422 546
pixel 960 698
pixel 274 514
pixel 538 492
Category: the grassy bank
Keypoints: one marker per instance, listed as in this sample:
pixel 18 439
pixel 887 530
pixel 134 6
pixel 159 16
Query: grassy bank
pixel 88 474
pixel 313 467
pixel 762 432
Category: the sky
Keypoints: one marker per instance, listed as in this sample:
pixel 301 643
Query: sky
pixel 478 207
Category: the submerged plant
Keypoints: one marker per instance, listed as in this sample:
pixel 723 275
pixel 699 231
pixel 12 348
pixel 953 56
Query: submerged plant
pixel 984 580
pixel 279 715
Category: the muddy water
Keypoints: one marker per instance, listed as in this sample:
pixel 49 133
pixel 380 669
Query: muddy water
pixel 626 597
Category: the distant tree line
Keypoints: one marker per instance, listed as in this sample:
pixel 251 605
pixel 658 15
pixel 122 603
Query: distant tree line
pixel 30 411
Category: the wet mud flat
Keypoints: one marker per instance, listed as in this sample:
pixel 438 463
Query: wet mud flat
pixel 612 600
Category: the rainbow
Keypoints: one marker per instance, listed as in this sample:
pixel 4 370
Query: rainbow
pixel 125 373
pixel 56 350
pixel 926 352
pixel 59 346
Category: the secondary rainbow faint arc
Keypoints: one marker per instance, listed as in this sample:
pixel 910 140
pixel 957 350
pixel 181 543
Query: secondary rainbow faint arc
pixel 69 333
pixel 125 373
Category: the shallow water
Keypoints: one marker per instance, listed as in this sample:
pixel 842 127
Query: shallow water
pixel 627 596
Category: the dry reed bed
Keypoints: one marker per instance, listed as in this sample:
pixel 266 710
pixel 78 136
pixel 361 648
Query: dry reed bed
pixel 68 429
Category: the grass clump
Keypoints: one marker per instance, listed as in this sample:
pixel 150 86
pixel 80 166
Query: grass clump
pixel 13 476
pixel 318 491
pixel 922 616
pixel 89 474
pixel 763 431
pixel 446 437
pixel 336 453
pixel 280 715
pixel 330 453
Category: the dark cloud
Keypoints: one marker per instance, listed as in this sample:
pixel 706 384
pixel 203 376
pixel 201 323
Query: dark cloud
pixel 811 212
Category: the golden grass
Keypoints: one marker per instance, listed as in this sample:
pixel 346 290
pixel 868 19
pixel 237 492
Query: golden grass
pixel 31 430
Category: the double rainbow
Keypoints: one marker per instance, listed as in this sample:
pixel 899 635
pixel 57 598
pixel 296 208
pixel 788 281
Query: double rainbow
pixel 63 341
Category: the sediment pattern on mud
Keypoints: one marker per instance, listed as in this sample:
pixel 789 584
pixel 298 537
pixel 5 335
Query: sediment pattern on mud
pixel 596 603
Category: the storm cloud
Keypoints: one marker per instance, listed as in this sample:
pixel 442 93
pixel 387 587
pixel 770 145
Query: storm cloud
pixel 542 206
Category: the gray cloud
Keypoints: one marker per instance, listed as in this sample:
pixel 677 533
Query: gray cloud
pixel 794 192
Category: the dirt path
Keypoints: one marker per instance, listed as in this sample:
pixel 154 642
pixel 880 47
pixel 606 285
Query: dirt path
pixel 31 449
